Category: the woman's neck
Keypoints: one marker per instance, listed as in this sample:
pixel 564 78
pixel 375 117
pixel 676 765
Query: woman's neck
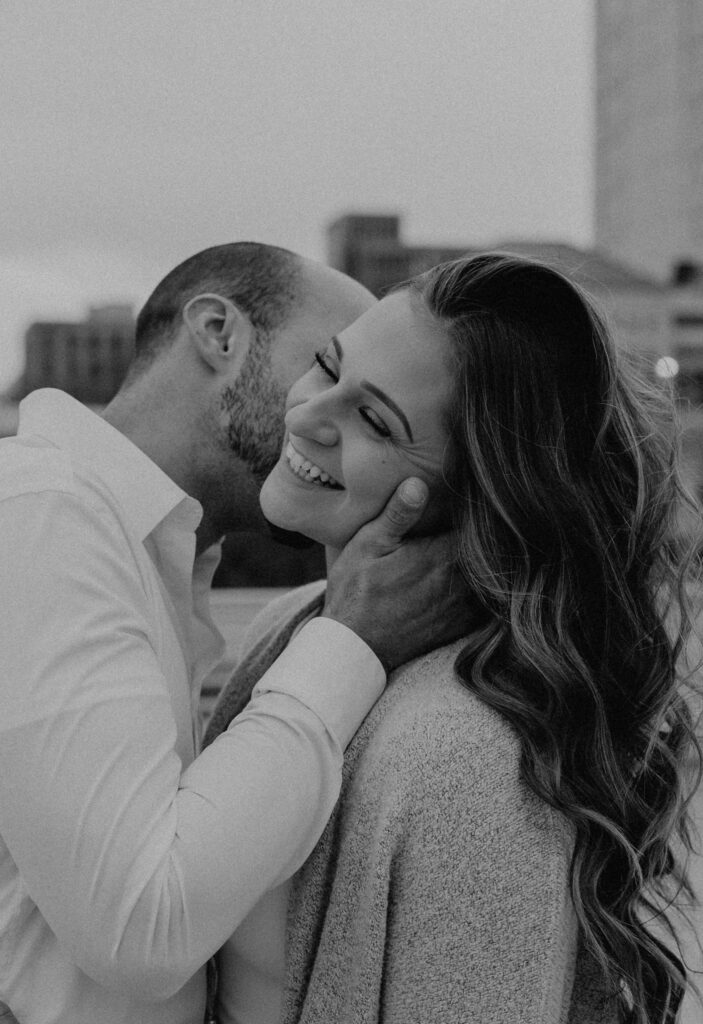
pixel 331 556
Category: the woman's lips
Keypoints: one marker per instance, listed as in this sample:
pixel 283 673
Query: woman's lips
pixel 308 471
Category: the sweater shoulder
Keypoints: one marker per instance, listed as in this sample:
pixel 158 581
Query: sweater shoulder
pixel 426 712
pixel 430 741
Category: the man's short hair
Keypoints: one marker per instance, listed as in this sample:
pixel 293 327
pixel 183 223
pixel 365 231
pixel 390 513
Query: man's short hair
pixel 262 280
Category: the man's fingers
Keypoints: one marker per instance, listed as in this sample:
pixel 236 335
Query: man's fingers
pixel 441 549
pixel 402 512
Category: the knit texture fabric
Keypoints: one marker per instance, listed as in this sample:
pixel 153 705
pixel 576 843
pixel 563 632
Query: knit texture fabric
pixel 439 889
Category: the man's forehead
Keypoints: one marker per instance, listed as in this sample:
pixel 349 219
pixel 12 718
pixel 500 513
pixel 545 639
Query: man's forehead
pixel 325 291
pixel 328 303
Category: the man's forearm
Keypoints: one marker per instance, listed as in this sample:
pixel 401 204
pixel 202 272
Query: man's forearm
pixel 143 871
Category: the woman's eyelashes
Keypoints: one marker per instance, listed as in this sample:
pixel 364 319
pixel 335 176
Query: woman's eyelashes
pixel 375 421
pixel 321 361
pixel 368 415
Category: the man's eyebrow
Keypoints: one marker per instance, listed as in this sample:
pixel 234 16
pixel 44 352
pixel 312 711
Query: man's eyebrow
pixel 368 386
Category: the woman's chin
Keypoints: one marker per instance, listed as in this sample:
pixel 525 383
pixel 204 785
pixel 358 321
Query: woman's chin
pixel 281 510
pixel 306 513
pixel 280 518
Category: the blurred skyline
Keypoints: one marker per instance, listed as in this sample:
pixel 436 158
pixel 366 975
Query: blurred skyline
pixel 133 135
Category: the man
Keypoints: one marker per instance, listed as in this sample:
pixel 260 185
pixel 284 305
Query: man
pixel 125 858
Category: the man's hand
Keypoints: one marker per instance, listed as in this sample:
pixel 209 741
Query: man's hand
pixel 403 597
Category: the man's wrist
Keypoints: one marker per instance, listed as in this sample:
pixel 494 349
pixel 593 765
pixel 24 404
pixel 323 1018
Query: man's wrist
pixel 330 670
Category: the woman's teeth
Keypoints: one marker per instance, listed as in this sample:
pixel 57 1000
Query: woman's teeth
pixel 308 471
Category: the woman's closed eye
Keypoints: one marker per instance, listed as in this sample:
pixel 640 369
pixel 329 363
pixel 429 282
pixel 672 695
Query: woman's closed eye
pixel 321 360
pixel 375 422
pixel 368 415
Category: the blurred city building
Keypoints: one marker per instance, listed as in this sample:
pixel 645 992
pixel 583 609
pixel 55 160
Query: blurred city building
pixel 88 359
pixel 649 135
pixel 649 173
pixel 652 319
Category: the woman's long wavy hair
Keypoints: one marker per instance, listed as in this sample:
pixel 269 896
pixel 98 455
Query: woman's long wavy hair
pixel 567 495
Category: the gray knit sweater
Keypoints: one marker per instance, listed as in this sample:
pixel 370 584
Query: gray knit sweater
pixel 439 889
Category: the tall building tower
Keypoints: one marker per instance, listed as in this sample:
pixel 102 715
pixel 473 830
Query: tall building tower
pixel 649 134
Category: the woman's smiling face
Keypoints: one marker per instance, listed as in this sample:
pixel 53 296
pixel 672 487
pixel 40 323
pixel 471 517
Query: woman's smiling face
pixel 369 413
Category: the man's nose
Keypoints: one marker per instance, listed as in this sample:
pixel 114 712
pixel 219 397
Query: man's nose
pixel 315 420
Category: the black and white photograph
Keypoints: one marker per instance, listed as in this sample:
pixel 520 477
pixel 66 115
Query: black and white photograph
pixel 351 512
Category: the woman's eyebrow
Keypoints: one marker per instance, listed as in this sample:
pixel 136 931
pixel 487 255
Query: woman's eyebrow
pixel 368 386
pixel 381 395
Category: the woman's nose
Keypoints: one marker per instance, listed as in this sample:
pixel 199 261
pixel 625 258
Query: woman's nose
pixel 314 420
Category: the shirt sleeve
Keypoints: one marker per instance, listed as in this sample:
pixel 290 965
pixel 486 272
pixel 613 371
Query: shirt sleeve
pixel 314 669
pixel 140 868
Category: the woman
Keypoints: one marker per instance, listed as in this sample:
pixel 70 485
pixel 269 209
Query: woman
pixel 510 806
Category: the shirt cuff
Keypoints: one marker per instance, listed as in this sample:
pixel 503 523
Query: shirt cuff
pixel 330 670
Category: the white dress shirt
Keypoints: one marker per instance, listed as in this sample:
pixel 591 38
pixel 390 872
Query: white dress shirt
pixel 252 963
pixel 125 860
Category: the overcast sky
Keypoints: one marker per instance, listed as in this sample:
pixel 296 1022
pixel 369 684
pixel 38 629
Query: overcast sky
pixel 137 132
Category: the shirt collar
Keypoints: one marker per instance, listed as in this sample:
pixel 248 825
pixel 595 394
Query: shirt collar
pixel 145 492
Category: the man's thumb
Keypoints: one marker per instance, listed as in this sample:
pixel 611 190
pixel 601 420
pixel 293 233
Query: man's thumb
pixel 403 510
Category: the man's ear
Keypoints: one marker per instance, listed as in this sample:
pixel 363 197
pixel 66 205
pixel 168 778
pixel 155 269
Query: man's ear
pixel 220 331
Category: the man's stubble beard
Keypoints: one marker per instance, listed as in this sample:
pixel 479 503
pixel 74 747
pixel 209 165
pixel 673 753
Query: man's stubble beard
pixel 253 409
